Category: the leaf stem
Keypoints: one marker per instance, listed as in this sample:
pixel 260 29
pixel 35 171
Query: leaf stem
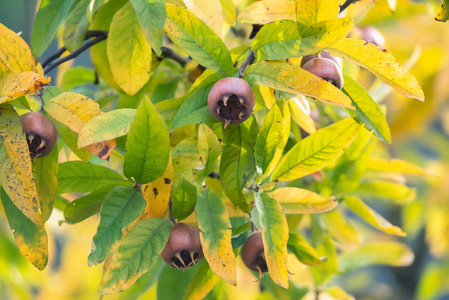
pixel 245 64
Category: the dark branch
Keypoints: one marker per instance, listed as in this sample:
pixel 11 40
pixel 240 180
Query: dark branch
pixel 346 4
pixel 245 64
pixel 170 53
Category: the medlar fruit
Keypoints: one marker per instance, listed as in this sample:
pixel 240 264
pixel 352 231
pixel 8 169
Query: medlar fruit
pixel 40 132
pixel 253 254
pixel 326 69
pixel 231 100
pixel 324 54
pixel 183 248
pixel 372 35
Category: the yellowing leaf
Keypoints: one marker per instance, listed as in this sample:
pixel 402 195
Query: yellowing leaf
pixel 443 13
pixel 16 174
pixel 267 11
pixel 380 62
pixel 210 11
pixel 202 283
pixel 314 11
pixel 303 251
pixel 301 201
pixel 293 79
pixel 394 165
pixel 268 95
pixel 157 193
pixel 300 116
pixel 398 192
pixel 337 293
pixel 228 11
pixel 128 51
pixel 15 85
pixel 340 229
pixel 371 216
pixel 317 150
pixel 102 149
pixel 15 54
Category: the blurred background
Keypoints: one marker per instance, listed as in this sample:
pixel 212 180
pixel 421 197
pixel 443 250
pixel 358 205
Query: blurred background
pixel 419 135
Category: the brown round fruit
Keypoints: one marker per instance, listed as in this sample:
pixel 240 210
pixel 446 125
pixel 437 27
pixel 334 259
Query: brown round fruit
pixel 40 132
pixel 183 248
pixel 231 100
pixel 372 35
pixel 326 69
pixel 253 254
pixel 324 54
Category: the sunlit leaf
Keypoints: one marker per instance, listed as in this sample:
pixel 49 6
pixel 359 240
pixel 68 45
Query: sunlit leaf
pixel 31 239
pixel 214 224
pixel 380 62
pixel 267 11
pixel 394 165
pixel 128 51
pixel 301 201
pixel 321 273
pixel 377 253
pixel 196 39
pixel 209 148
pixel 371 216
pixel 50 16
pixel 228 11
pixel 443 13
pixel 147 146
pixel 121 206
pixel 314 11
pixel 274 236
pixel 300 116
pixel 210 11
pixel 337 292
pixel 107 126
pixel 157 193
pixel 366 110
pixel 317 150
pixel 286 39
pixel 293 79
pixel 340 230
pixel 397 192
pixel 151 16
pixel 202 283
pixel 15 85
pixel 137 254
pixel 303 251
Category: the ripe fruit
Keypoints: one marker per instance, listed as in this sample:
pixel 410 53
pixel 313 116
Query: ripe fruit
pixel 40 132
pixel 253 253
pixel 326 69
pixel 183 248
pixel 324 54
pixel 231 100
pixel 372 35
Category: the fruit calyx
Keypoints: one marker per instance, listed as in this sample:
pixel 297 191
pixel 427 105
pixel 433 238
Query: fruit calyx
pixel 41 133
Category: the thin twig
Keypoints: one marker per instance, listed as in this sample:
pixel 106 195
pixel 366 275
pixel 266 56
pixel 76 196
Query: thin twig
pixel 54 56
pixel 346 4
pixel 170 53
pixel 245 64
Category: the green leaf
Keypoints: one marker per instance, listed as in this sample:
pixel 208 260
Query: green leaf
pixel 184 199
pixel 380 62
pixel 76 76
pixel 129 53
pixel 45 170
pixel 76 26
pixel 312 12
pixel 301 201
pixel 106 127
pixel 366 110
pixel 137 253
pixel 293 79
pixel 215 232
pixel 322 273
pixel 397 192
pixel 378 253
pixel 317 150
pixel 51 15
pixel 202 283
pixel 148 145
pixel 298 39
pixel 83 177
pixel 185 156
pixel 197 40
pixel 209 149
pixel 237 161
pixel 443 13
pixel 151 16
pixel 371 216
pixel 70 138
pixel 86 206
pixel 274 236
pixel 120 208
pixel 173 283
pixel 303 251
pixel 31 239
pixel 340 229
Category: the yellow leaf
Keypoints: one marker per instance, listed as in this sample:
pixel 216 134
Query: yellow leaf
pixel 340 229
pixel 300 115
pixel 394 165
pixel 210 11
pixel 128 51
pixel 15 85
pixel 267 11
pixel 157 193
pixel 443 12
pixel 268 95
pixel 381 63
pixel 72 110
pixel 314 11
pixel 15 54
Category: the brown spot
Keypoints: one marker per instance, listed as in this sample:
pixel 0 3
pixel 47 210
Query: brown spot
pixel 145 189
pixel 103 152
pixel 155 192
pixel 167 180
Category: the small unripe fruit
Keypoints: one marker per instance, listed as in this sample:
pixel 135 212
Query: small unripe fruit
pixel 253 254
pixel 231 100
pixel 40 132
pixel 372 35
pixel 326 69
pixel 183 248
pixel 324 54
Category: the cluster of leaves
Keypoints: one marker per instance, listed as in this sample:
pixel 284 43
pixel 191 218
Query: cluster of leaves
pixel 263 173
